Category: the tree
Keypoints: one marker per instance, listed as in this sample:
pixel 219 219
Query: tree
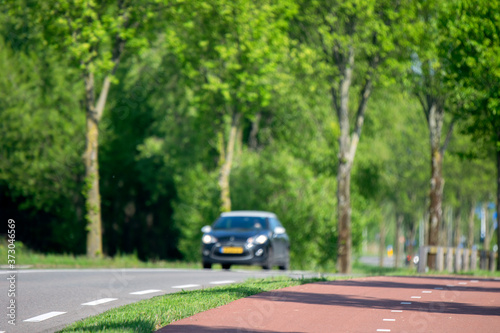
pixel 392 161
pixel 40 168
pixel 355 40
pixel 231 50
pixel 470 173
pixel 471 47
pixel 94 34
pixel 428 85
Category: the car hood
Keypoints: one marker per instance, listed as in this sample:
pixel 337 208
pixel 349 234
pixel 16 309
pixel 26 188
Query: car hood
pixel 238 234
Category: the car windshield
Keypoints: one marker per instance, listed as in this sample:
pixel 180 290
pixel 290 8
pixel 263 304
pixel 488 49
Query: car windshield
pixel 241 222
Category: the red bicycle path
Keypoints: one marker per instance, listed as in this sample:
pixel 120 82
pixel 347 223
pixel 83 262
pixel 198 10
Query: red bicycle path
pixel 373 304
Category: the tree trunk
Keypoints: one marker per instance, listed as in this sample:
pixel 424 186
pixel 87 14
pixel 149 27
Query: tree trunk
pixel 92 194
pixel 411 238
pixel 94 113
pixel 397 248
pixel 227 162
pixel 344 172
pixel 436 199
pixel 381 245
pixel 470 226
pixel 435 121
pixel 252 138
pixel 456 227
pixel 347 146
pixel 344 211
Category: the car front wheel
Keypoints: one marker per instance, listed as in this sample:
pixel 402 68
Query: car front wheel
pixel 268 264
pixel 286 264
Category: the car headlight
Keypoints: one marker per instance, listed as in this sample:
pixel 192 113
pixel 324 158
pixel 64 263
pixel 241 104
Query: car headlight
pixel 261 239
pixel 208 239
pixel 257 240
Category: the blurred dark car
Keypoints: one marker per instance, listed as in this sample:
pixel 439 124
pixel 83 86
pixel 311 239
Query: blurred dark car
pixel 246 238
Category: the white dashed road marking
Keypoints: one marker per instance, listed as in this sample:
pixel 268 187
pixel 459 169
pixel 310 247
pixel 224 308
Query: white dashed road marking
pixel 44 316
pixel 222 282
pixel 426 292
pixel 100 301
pixel 186 286
pixel 397 311
pixel 144 292
pixel 474 281
pixel 383 330
pixel 416 297
pixel 388 319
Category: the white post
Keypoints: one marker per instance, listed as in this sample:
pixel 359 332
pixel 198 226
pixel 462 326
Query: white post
pixel 467 254
pixel 473 260
pixel 449 259
pixel 440 259
pixel 458 260
pixel 422 262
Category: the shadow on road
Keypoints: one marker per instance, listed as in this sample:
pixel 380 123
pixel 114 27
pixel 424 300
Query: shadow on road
pixel 423 285
pixel 204 329
pixel 358 301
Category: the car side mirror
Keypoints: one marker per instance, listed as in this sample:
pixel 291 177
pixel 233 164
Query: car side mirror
pixel 206 229
pixel 279 230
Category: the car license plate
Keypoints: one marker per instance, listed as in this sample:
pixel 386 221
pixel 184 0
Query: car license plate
pixel 231 250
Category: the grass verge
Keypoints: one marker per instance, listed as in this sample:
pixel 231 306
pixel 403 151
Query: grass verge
pixel 152 314
pixel 31 259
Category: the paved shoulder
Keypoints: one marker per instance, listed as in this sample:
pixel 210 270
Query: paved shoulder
pixel 377 304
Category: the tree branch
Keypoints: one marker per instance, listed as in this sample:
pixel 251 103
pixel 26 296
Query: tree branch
pixel 360 116
pixel 448 136
pixel 117 53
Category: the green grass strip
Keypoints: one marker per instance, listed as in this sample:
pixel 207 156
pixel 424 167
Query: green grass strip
pixel 152 314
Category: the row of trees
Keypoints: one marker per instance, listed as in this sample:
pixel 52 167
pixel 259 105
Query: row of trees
pixel 197 107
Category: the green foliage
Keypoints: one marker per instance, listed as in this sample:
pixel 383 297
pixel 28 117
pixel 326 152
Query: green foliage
pixel 189 66
pixel 195 207
pixel 470 45
pixel 305 203
pixel 41 145
pixel 232 50
pixel 37 122
pixel 86 31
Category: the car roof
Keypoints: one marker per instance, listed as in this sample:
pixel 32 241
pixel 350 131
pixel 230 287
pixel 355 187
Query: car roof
pixel 253 213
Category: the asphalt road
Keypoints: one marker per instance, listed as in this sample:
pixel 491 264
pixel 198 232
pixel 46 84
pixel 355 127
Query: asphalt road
pixel 48 300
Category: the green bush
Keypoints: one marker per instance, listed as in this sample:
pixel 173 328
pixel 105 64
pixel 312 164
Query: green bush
pixel 304 202
pixel 197 205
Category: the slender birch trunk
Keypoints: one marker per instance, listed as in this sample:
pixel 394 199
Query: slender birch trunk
pixel 434 111
pixel 93 112
pixel 470 226
pixel 344 170
pixel 381 245
pixel 227 162
pixel 92 194
pixel 456 228
pixel 397 249
pixel 252 137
